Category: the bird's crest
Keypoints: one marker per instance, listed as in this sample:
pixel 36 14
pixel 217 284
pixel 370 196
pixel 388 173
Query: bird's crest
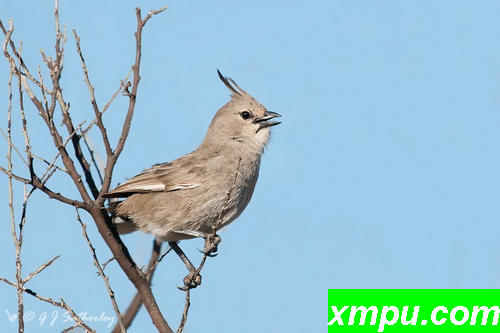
pixel 231 85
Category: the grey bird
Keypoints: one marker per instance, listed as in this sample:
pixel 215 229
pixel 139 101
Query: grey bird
pixel 205 190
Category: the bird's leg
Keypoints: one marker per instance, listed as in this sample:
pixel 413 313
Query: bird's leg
pixel 193 279
pixel 211 245
pixel 212 240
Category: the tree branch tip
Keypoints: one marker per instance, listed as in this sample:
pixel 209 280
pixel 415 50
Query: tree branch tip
pixel 154 12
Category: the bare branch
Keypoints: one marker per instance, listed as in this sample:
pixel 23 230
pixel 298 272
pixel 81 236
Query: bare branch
pixel 17 241
pixel 46 109
pixel 60 304
pixel 15 147
pixel 92 153
pixel 18 152
pixel 98 114
pixel 52 164
pixel 106 107
pixel 75 139
pixel 9 173
pixel 41 186
pixel 101 272
pixel 122 84
pixel 18 56
pixel 43 89
pixel 46 114
pixel 40 183
pixel 132 95
pixel 151 267
pixel 69 329
pixel 8 34
pixel 56 70
pixel 58 142
pixel 187 303
pixel 53 195
pixel 40 269
pixel 151 13
pixel 107 262
pixel 23 120
pixel 134 306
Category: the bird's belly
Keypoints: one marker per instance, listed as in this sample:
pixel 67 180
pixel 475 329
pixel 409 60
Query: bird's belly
pixel 192 213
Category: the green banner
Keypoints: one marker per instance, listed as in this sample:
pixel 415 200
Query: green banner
pixel 413 310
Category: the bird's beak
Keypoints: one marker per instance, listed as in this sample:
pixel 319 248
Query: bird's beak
pixel 264 121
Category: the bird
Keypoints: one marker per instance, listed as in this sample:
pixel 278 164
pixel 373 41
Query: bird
pixel 203 191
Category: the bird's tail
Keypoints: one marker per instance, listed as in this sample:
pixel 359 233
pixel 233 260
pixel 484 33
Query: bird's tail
pixel 122 224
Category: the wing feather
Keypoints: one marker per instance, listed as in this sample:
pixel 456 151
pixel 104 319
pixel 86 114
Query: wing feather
pixel 173 176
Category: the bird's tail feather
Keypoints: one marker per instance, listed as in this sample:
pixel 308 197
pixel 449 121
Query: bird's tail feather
pixel 123 225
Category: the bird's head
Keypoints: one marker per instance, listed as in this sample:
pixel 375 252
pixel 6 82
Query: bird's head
pixel 242 120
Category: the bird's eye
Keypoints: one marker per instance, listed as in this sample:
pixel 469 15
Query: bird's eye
pixel 245 115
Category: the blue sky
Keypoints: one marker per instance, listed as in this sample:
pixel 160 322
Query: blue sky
pixel 383 174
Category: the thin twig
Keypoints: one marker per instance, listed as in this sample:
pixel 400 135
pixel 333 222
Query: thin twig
pixel 57 139
pixel 69 329
pixel 60 304
pixel 107 262
pixel 93 158
pixel 52 163
pixel 56 70
pixel 108 104
pixel 136 302
pixel 18 56
pixel 40 182
pixel 152 267
pixel 14 146
pixel 101 272
pixel 132 96
pixel 23 118
pixel 117 91
pixel 40 269
pixel 15 238
pixel 97 112
pixel 151 13
pixel 42 88
pixel 9 173
pixel 187 303
pixel 32 154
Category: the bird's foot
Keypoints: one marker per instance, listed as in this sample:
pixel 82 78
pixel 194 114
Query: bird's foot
pixel 212 242
pixel 192 280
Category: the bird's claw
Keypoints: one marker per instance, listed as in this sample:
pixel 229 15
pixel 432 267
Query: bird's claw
pixel 211 245
pixel 191 281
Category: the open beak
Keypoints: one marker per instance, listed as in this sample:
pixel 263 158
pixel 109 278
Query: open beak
pixel 264 121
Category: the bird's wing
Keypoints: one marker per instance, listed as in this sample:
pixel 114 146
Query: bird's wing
pixel 176 175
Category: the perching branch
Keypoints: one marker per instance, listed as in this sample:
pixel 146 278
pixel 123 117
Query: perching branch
pixel 101 273
pixel 136 302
